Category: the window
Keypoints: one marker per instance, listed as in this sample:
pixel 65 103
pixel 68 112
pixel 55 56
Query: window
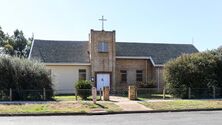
pixel 82 74
pixel 139 75
pixel 123 75
pixel 103 47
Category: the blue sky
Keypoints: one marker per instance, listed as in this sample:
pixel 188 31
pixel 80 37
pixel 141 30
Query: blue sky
pixel 154 21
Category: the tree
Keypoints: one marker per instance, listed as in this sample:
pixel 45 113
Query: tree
pixel 19 43
pixel 15 45
pixel 198 70
pixel 2 36
pixel 218 53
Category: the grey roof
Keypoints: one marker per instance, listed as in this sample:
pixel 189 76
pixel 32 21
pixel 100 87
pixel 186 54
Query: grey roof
pixel 50 51
pixel 159 52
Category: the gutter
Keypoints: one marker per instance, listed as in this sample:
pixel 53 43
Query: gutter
pixel 105 113
pixel 140 57
pixel 68 64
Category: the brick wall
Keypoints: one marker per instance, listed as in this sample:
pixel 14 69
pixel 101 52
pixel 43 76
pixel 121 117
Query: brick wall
pixel 131 65
pixel 103 62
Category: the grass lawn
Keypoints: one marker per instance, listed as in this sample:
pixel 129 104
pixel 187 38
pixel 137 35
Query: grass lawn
pixel 58 107
pixel 183 104
pixel 71 98
pixel 153 96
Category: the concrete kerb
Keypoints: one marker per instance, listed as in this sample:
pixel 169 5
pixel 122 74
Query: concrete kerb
pixel 105 113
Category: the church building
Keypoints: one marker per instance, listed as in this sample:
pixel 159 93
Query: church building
pixel 109 63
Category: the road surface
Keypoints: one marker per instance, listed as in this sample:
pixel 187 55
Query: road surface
pixel 171 118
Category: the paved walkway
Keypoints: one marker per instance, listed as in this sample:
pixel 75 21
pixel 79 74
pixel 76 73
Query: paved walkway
pixel 128 105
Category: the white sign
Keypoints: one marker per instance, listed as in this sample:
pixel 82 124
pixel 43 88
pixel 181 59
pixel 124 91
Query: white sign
pixel 102 79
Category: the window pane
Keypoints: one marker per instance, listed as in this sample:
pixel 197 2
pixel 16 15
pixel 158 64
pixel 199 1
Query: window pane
pixel 82 74
pixel 139 75
pixel 103 46
pixel 123 75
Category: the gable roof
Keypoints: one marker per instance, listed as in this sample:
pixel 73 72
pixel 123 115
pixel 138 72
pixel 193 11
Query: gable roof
pixel 159 52
pixel 50 51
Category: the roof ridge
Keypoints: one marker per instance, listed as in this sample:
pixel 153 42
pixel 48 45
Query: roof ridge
pixel 157 43
pixel 62 40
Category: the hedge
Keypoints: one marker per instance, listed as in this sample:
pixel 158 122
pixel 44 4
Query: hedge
pixel 198 70
pixel 23 74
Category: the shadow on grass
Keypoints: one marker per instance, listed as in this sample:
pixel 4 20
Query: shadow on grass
pixel 101 106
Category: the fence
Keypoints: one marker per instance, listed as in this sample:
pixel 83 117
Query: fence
pixel 189 93
pixel 29 95
pixel 119 92
pixel 147 93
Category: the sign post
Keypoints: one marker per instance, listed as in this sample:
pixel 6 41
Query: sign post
pixel 94 94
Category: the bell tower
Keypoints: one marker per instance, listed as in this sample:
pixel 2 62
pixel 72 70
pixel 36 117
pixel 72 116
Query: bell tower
pixel 103 57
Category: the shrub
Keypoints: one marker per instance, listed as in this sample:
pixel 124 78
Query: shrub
pixel 196 70
pixel 148 84
pixel 83 88
pixel 23 74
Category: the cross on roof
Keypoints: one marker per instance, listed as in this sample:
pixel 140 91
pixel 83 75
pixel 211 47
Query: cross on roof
pixel 102 20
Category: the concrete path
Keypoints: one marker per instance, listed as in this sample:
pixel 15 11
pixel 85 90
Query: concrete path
pixel 128 105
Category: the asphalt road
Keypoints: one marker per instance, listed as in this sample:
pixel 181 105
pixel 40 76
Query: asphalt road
pixel 173 118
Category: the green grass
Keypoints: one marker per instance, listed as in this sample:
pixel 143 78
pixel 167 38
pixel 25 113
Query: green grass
pixel 65 97
pixel 57 107
pixel 71 98
pixel 110 107
pixel 183 104
pixel 153 96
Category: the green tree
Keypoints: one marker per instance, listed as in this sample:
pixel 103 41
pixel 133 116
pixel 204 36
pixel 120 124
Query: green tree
pixel 198 70
pixel 15 45
pixel 218 54
pixel 2 37
pixel 19 43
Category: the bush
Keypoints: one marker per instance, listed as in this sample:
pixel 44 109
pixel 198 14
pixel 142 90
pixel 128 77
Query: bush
pixel 83 88
pixel 196 70
pixel 23 74
pixel 149 84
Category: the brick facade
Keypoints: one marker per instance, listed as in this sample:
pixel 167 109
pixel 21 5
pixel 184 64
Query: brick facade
pixel 106 62
pixel 103 62
pixel 131 65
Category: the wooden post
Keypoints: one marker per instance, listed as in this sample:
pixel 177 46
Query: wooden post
pixel 106 93
pixel 132 92
pixel 76 94
pixel 10 94
pixel 94 94
pixel 189 93
pixel 214 92
pixel 164 93
pixel 100 94
pixel 44 94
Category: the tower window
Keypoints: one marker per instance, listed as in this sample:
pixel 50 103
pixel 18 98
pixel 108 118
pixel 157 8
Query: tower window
pixel 103 47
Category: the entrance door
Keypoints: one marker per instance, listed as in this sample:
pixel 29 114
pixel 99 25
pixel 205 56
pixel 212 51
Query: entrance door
pixel 102 79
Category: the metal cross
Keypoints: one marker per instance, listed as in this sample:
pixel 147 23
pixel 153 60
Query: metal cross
pixel 102 20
